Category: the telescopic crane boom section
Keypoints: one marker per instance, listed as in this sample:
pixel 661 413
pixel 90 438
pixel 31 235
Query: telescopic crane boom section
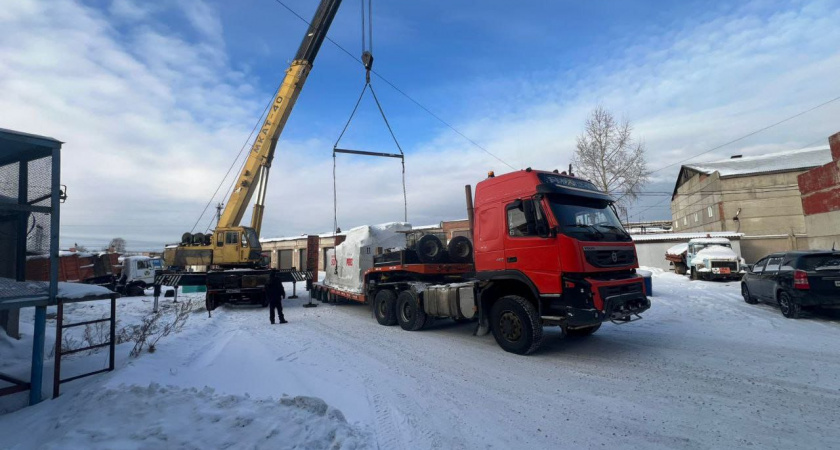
pixel 231 244
pixel 254 176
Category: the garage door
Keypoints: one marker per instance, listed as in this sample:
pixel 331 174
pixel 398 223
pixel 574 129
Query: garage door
pixel 285 259
pixel 302 259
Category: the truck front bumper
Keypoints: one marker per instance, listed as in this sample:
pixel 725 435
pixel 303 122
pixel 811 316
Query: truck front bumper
pixel 593 301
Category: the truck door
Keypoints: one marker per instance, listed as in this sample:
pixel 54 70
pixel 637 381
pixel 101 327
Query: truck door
pixel 488 240
pixel 529 247
pixel 230 246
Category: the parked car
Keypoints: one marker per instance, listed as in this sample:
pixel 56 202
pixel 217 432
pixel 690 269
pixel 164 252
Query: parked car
pixel 794 280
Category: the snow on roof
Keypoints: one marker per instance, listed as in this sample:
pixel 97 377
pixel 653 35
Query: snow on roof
pixel 710 241
pixel 653 237
pixel 772 162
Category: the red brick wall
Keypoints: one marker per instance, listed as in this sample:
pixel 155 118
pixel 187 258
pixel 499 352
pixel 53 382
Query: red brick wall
pixel 820 186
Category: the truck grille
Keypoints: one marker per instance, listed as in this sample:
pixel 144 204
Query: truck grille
pixel 610 258
pixel 725 264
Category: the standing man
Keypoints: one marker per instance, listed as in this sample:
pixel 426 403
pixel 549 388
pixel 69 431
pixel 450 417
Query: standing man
pixel 275 292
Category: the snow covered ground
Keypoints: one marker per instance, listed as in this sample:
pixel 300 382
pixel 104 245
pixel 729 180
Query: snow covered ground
pixel 702 370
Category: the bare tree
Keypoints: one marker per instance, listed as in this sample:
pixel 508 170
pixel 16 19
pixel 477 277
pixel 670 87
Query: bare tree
pixel 608 156
pixel 117 245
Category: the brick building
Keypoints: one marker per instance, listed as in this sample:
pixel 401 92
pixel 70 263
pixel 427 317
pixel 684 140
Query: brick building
pixel 820 189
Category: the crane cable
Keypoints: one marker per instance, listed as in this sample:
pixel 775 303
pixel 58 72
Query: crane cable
pixel 367 59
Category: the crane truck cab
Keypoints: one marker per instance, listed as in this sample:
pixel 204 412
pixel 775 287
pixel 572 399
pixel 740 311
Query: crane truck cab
pixel 551 250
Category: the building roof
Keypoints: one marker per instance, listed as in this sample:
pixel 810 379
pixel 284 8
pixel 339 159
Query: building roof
pixel 786 161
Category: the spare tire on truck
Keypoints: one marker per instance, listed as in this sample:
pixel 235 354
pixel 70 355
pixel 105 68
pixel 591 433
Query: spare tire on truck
pixel 460 250
pixel 429 249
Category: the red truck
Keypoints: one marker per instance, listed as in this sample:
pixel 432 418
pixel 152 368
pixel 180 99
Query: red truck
pixel 549 250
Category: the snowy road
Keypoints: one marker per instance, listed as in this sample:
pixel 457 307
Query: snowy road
pixel 702 370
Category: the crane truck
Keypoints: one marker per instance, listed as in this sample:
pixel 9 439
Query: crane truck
pixel 232 245
pixel 548 250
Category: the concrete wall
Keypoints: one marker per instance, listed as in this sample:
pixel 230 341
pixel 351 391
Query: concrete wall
pixel 821 200
pixel 690 208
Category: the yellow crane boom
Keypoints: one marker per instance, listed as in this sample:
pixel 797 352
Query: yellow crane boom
pixel 231 244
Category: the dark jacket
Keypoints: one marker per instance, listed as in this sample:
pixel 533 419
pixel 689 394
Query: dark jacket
pixel 274 289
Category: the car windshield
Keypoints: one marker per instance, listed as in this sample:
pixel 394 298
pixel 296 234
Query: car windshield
pixel 586 218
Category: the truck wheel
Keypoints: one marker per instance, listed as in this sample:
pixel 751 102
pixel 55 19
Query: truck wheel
pixel 429 249
pixel 679 269
pixel 694 274
pixel 582 332
pixel 384 307
pixel 516 325
pixel 410 315
pixel 789 308
pixel 460 250
pixel 745 292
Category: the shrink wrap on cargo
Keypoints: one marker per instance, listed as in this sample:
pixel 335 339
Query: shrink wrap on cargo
pixel 347 263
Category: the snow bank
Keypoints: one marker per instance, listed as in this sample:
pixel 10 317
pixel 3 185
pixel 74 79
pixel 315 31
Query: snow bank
pixel 677 250
pixel 171 417
pixel 79 290
pixel 350 259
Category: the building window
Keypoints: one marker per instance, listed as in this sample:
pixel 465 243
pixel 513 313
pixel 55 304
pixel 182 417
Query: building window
pixel 696 217
pixel 676 224
pixel 685 220
pixel 711 213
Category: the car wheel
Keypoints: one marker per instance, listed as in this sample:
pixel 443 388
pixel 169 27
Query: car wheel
pixel 790 309
pixel 745 292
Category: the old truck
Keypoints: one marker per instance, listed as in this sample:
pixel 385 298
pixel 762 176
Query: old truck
pixel 709 258
pixel 549 250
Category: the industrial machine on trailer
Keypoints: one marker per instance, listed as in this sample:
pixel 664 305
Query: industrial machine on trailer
pixel 232 245
pixel 549 250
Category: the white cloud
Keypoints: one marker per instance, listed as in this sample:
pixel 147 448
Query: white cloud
pixel 151 119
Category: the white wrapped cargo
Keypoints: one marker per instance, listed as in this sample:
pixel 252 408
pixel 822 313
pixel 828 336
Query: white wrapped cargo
pixel 349 260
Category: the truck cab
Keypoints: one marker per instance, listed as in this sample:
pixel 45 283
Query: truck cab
pixel 713 258
pixel 555 242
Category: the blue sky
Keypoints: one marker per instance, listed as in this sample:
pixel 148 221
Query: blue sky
pixel 155 99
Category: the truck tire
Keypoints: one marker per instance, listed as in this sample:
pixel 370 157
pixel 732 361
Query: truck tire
pixel 748 298
pixel 583 332
pixel 680 269
pixel 790 309
pixel 385 306
pixel 410 315
pixel 516 325
pixel 210 302
pixel 429 249
pixel 694 274
pixel 460 250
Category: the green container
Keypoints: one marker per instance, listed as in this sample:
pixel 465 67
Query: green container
pixel 193 289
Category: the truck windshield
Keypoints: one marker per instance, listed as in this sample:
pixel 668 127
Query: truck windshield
pixel 587 219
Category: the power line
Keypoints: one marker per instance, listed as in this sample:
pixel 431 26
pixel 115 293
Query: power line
pixel 403 93
pixel 749 134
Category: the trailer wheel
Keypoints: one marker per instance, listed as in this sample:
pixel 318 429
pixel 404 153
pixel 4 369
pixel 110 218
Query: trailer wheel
pixel 384 307
pixel 583 332
pixel 410 315
pixel 429 249
pixel 680 269
pixel 460 249
pixel 516 325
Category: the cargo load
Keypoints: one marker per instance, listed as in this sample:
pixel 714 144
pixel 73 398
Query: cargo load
pixel 348 261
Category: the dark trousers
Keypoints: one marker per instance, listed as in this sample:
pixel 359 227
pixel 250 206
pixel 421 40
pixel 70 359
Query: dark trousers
pixel 275 304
